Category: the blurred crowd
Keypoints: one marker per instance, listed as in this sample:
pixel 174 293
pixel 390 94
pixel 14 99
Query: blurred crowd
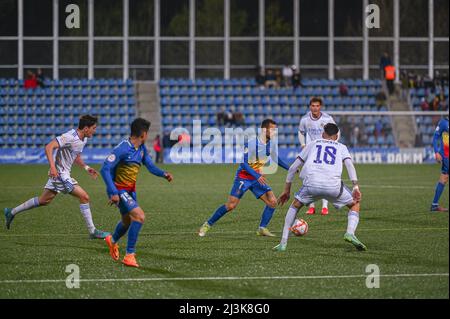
pixel 288 76
pixel 34 80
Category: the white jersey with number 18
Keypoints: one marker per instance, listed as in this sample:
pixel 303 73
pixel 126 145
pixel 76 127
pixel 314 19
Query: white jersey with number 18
pixel 323 163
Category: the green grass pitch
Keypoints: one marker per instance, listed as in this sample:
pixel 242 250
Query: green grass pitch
pixel 403 239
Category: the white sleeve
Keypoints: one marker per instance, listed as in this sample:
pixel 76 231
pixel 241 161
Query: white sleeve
pixel 305 152
pixel 293 169
pixel 351 169
pixel 64 139
pixel 345 153
pixel 301 127
pixel 301 138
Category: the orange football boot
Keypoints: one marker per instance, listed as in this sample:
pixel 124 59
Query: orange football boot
pixel 113 248
pixel 324 211
pixel 311 211
pixel 130 260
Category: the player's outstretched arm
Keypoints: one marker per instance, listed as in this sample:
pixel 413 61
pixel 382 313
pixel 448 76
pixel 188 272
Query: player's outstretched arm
pixel 92 172
pixel 284 197
pixel 49 148
pixel 282 163
pixel 354 178
pixel 152 168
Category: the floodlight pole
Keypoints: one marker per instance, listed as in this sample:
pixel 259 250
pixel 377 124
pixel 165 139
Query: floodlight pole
pixel 226 46
pixel 191 39
pixel 90 39
pixel 20 39
pixel 156 46
pixel 397 39
pixel 296 33
pixel 55 40
pixel 331 39
pixel 262 52
pixel 431 38
pixel 365 42
pixel 126 24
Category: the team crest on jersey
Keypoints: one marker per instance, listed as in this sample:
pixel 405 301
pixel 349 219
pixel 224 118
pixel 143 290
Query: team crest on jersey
pixel 111 158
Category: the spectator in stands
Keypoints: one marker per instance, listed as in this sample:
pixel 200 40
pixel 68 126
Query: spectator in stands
pixel 228 118
pixel 221 117
pixel 380 99
pixel 278 77
pixel 157 148
pixel 429 96
pixel 411 80
pixel 287 75
pixel 270 79
pixel 443 104
pixel 436 104
pixel 389 75
pixel 378 128
pixel 419 81
pixel 444 80
pixel 167 142
pixel 238 118
pixel 385 60
pixel 296 77
pixel 343 89
pixel 30 81
pixel 184 139
pixel 260 78
pixel 424 105
pixel 405 85
pixel 40 78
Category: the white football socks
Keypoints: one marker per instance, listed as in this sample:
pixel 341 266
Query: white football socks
pixel 353 219
pixel 86 212
pixel 312 205
pixel 288 221
pixel 324 203
pixel 29 204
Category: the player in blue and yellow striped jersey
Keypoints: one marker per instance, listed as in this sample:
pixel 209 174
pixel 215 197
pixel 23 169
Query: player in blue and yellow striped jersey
pixel 441 150
pixel 249 176
pixel 119 171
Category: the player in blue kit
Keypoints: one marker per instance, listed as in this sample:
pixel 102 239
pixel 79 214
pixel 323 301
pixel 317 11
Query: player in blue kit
pixel 257 153
pixel 119 171
pixel 441 150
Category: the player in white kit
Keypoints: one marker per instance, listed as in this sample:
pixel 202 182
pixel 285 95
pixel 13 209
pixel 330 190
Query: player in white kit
pixel 69 147
pixel 311 129
pixel 322 162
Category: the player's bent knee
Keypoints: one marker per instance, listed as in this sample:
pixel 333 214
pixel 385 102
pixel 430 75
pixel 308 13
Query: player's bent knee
pixel 230 206
pixel 272 203
pixel 44 201
pixel 84 198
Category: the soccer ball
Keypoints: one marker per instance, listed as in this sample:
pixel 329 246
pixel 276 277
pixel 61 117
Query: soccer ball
pixel 300 227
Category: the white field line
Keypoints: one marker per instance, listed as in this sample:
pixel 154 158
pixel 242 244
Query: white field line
pixel 243 232
pixel 146 279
